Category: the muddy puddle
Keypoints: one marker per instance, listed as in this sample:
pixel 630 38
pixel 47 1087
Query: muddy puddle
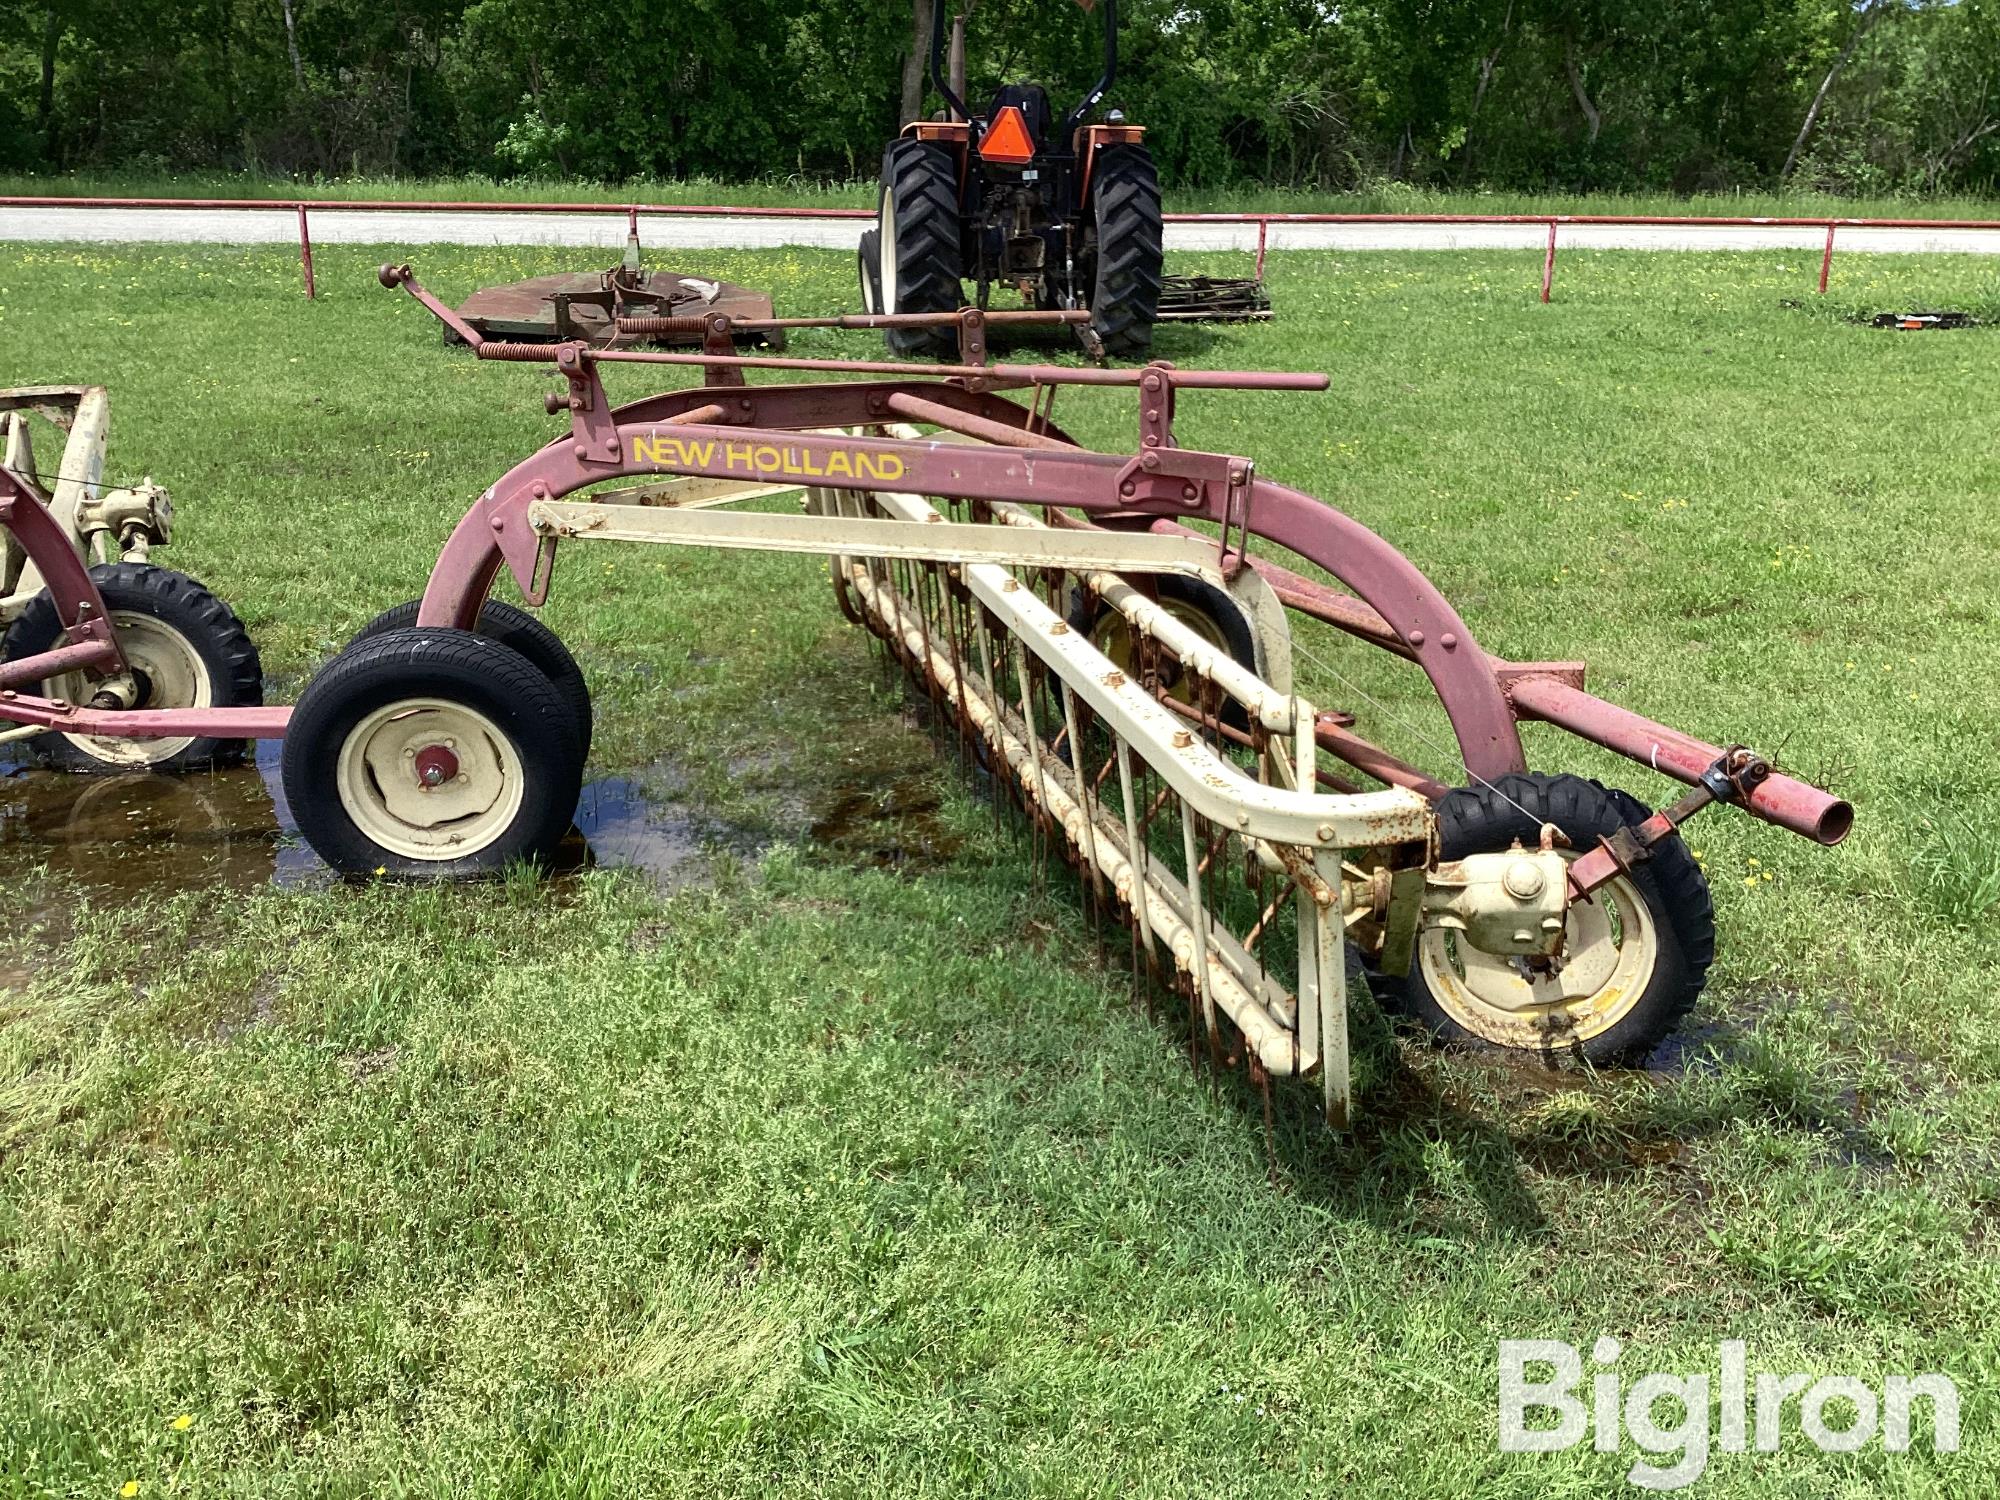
pixel 141 834
pixel 126 836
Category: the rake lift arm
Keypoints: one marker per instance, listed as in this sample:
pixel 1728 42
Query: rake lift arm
pixel 1203 801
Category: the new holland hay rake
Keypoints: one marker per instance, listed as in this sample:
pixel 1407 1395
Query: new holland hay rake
pixel 1126 679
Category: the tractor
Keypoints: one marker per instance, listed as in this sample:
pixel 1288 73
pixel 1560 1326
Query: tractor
pixel 1067 213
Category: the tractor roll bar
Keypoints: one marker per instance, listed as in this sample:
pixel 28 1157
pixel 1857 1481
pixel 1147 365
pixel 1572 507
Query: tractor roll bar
pixel 938 82
pixel 1071 120
pixel 1090 100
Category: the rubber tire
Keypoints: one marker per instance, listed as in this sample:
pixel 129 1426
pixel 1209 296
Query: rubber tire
pixel 513 627
pixel 1480 820
pixel 867 262
pixel 1230 620
pixel 458 666
pixel 920 181
pixel 1131 248
pixel 236 676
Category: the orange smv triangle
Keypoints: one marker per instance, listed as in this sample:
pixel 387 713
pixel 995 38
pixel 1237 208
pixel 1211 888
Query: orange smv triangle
pixel 1006 138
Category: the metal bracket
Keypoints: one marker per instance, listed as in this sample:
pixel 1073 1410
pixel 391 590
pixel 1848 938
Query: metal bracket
pixel 1734 775
pixel 1177 480
pixel 1156 406
pixel 971 336
pixel 719 338
pixel 589 409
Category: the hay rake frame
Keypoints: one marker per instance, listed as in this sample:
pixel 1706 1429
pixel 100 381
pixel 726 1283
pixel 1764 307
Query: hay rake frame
pixel 962 526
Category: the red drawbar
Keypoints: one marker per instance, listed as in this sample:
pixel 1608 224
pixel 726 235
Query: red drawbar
pixel 1006 138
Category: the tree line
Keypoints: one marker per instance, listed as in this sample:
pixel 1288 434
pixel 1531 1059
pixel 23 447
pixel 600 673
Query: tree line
pixel 1849 96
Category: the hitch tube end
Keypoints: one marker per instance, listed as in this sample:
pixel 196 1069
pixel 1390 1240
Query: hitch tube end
pixel 1836 821
pixel 1789 803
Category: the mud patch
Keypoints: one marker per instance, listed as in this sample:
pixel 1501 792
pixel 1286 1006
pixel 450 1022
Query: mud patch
pixel 892 822
pixel 622 825
pixel 131 836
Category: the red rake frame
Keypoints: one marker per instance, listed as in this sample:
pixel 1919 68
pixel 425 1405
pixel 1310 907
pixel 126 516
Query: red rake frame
pixel 727 430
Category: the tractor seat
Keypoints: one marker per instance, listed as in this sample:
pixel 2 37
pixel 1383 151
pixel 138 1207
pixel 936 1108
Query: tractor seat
pixel 1033 102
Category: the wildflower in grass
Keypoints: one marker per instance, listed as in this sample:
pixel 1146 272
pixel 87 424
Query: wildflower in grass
pixel 128 1489
pixel 182 1423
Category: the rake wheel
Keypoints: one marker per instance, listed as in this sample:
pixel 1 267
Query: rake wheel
pixel 1199 605
pixel 520 631
pixel 1638 951
pixel 432 752
pixel 185 648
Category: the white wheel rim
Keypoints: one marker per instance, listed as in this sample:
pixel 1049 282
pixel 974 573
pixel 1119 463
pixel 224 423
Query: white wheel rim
pixel 429 779
pixel 885 250
pixel 173 675
pixel 1612 949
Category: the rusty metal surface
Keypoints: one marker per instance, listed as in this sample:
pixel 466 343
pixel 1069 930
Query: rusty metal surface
pixel 588 306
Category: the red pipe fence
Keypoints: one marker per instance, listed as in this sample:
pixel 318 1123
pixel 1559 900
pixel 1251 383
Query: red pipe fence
pixel 1263 221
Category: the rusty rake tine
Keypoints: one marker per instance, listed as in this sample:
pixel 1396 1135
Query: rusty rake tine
pixel 1260 1076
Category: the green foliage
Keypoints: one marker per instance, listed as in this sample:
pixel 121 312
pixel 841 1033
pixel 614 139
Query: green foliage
pixel 1681 95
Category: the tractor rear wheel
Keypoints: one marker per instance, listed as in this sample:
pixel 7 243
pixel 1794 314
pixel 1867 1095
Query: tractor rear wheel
pixel 1129 238
pixel 868 261
pixel 917 249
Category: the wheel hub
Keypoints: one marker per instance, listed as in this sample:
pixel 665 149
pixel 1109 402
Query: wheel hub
pixel 166 671
pixel 428 778
pixel 435 766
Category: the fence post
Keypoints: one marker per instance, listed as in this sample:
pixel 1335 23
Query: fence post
pixel 1549 263
pixel 1826 260
pixel 1263 225
pixel 306 254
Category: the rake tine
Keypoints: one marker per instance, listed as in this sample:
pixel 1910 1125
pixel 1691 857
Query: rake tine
pixel 1260 1076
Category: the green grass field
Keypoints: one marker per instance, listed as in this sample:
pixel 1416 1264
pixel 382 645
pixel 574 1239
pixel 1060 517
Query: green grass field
pixel 812 1178
pixel 802 192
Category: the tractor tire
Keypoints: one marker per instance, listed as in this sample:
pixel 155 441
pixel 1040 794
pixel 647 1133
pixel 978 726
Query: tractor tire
pixel 917 247
pixel 1129 237
pixel 1622 991
pixel 868 262
pixel 187 648
pixel 513 627
pixel 432 752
